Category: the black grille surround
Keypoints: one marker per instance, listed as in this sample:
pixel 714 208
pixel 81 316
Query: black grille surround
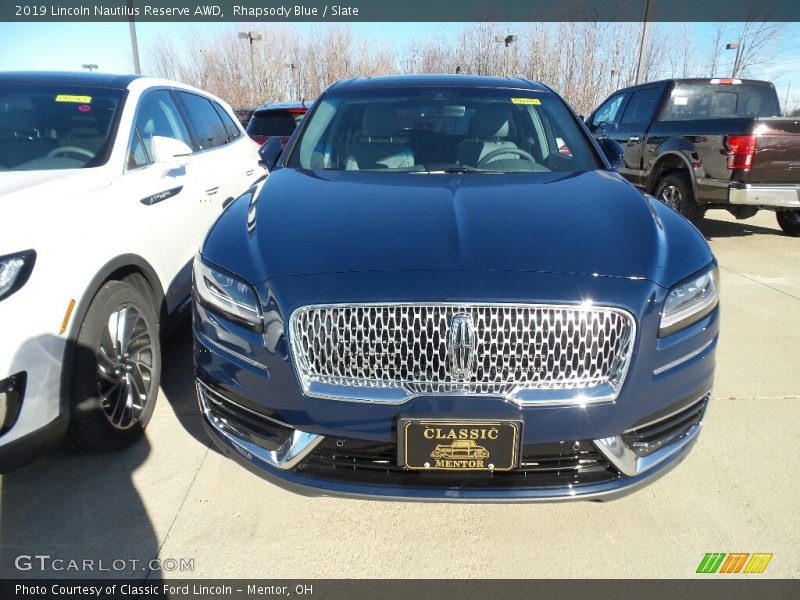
pixel 541 466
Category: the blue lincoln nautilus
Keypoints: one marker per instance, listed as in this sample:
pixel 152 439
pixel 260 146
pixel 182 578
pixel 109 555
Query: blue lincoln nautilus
pixel 444 291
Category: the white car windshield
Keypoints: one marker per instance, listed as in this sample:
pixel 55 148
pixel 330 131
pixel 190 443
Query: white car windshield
pixel 46 127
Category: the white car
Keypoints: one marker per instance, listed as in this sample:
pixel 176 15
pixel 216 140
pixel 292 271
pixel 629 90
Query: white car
pixel 108 185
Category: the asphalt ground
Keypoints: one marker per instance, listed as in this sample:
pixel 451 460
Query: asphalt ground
pixel 171 496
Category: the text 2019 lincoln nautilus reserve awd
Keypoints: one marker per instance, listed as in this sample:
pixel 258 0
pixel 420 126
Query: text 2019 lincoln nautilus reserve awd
pixel 444 291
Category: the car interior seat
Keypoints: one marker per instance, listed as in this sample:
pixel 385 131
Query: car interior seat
pixel 21 138
pixel 85 132
pixel 378 145
pixel 488 131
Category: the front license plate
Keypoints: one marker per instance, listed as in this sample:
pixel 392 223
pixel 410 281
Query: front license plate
pixel 459 445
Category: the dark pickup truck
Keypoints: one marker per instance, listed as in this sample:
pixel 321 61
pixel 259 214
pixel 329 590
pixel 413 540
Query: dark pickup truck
pixel 698 144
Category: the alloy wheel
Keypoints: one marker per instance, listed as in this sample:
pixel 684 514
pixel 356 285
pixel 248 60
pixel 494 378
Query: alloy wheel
pixel 671 196
pixel 125 366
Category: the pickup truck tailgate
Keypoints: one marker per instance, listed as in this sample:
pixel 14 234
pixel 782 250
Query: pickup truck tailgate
pixel 777 156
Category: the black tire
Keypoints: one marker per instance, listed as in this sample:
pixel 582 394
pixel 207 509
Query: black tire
pixel 115 376
pixel 675 190
pixel 789 220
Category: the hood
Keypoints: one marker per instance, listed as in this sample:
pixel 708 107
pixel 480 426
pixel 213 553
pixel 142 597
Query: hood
pixel 34 203
pixel 15 181
pixel 592 223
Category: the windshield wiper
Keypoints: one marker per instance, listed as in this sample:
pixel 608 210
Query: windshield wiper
pixel 459 170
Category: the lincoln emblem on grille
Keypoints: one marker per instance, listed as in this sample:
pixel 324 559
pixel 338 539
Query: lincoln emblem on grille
pixel 461 346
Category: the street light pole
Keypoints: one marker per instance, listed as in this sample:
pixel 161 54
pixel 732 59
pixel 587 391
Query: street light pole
pixel 786 102
pixel 134 44
pixel 640 68
pixel 735 46
pixel 507 40
pixel 292 88
pixel 251 36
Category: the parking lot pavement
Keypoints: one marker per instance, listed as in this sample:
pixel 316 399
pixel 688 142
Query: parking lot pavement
pixel 171 496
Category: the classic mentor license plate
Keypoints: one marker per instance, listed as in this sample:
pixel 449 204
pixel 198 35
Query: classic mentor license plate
pixel 459 445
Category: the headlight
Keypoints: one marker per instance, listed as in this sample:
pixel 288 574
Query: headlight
pixel 220 291
pixel 690 301
pixel 14 271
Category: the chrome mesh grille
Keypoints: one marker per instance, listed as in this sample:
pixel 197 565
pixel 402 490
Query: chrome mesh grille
pixel 515 347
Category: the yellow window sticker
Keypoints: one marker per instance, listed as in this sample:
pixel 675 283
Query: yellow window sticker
pixel 71 98
pixel 535 101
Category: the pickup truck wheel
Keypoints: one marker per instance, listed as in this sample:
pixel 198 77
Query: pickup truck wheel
pixel 675 190
pixel 789 220
pixel 116 371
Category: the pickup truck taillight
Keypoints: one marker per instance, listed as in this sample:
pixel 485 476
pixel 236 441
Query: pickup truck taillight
pixel 741 150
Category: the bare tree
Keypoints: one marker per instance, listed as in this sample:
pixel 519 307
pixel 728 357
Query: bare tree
pixel 584 62
pixel 716 47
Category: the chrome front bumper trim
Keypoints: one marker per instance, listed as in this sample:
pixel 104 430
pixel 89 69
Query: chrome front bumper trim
pixel 300 443
pixel 684 358
pixel 293 450
pixel 774 196
pixel 624 458
pixel 523 398
pixel 245 359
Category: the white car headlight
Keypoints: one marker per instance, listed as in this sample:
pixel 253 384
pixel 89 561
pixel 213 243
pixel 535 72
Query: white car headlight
pixel 226 294
pixel 690 301
pixel 14 271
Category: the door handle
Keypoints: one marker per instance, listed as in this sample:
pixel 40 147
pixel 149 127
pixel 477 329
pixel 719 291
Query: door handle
pixel 161 196
pixel 634 138
pixel 213 190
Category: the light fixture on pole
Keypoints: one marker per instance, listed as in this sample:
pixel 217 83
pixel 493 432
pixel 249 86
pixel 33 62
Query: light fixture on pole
pixel 91 67
pixel 507 40
pixel 251 36
pixel 735 46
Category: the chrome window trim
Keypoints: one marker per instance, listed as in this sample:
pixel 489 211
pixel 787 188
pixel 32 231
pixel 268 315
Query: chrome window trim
pixel 520 395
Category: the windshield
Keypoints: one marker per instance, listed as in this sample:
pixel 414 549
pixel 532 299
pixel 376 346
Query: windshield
pixel 443 130
pixel 275 122
pixel 46 127
pixel 720 101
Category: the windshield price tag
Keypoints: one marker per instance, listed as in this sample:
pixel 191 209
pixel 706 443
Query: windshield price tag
pixel 534 101
pixel 71 98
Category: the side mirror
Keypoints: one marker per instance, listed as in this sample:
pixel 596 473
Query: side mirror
pixel 614 153
pixel 270 152
pixel 170 152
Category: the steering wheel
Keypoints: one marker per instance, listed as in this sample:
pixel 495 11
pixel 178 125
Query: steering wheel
pixel 70 150
pixel 500 151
